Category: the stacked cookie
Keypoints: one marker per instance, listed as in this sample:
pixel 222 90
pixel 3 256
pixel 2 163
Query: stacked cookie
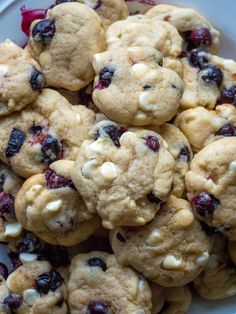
pixel 118 162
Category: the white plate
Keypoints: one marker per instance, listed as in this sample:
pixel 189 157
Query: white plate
pixel 220 12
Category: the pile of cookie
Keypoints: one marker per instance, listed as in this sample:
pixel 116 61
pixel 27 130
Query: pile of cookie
pixel 118 162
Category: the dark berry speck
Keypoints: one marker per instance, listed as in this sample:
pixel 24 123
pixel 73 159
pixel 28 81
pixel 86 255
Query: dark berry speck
pixel 204 204
pixel 105 77
pixel 48 281
pixel 96 307
pixel 44 30
pixel 97 262
pixel 15 142
pixel 36 129
pixel 197 58
pixel 184 153
pixel 29 243
pixel 7 206
pixel 227 130
pixel 228 96
pixel 37 80
pixel 147 86
pixel 152 143
pixel 13 301
pixel 51 149
pixel 212 74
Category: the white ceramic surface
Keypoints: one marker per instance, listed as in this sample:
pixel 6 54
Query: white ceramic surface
pixel 220 12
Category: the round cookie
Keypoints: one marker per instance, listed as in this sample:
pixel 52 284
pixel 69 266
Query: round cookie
pixel 98 284
pixel 123 175
pixel 196 30
pixel 138 31
pixel 211 185
pixel 49 206
pixel 171 250
pixel 21 79
pixel 60 44
pixel 208 79
pixel 202 126
pixel 179 148
pixel 132 88
pixel 232 251
pixel 174 300
pixel 10 183
pixel 49 129
pixel 218 280
pixel 34 287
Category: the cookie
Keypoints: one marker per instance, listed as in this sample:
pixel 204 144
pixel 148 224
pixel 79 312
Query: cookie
pixel 196 30
pixel 132 88
pixel 176 300
pixel 202 126
pixel 10 183
pixel 208 80
pixel 60 44
pixel 34 287
pixel 171 250
pixel 179 148
pixel 49 206
pixel 48 130
pixel 211 185
pixel 139 31
pixel 108 10
pixel 21 79
pixel 98 284
pixel 232 251
pixel 123 175
pixel 218 280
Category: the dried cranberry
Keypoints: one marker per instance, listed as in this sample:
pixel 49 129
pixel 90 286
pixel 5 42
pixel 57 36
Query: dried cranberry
pixel 105 77
pixel 228 96
pixel 97 262
pixel 3 271
pixel 55 181
pixel 227 130
pixel 184 153
pixel 152 143
pixel 96 307
pixel 44 30
pixel 7 206
pixel 120 237
pixel 29 243
pixel 212 74
pixel 153 199
pixel 15 142
pixel 201 37
pixel 51 149
pixel 57 255
pixel 204 204
pixel 48 281
pixel 197 58
pixel 37 80
pixel 13 301
pixel 28 16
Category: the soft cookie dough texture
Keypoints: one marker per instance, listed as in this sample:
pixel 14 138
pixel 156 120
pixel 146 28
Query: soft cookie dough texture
pixel 96 277
pixel 123 177
pixel 66 57
pixel 171 250
pixel 20 78
pixel 132 88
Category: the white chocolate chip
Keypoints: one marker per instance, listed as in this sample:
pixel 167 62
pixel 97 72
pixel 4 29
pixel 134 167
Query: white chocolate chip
pixel 13 229
pixel 171 262
pixel 45 60
pixel 141 285
pixel 28 257
pixel 154 237
pixel 30 295
pixel 97 146
pixel 139 69
pixel 96 58
pixel 109 171
pixel 33 192
pixel 78 117
pixel 212 262
pixel 89 167
pixel 3 69
pixel 140 220
pixel 147 102
pixel 150 75
pixel 184 218
pixel 202 259
pixel 140 312
pixel 54 206
pixel 90 3
pixel 230 65
pixel 127 136
pixel 140 118
pixel 232 165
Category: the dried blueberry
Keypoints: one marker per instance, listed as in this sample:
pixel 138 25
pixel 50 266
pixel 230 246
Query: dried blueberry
pixel 147 86
pixel 48 281
pixel 201 37
pixel 97 262
pixel 96 307
pixel 29 243
pixel 51 149
pixel 44 30
pixel 36 129
pixel 105 77
pixel 84 97
pixel 13 301
pixel 7 206
pixel 212 74
pixel 152 198
pixel 152 143
pixel 184 153
pixel 228 96
pixel 3 271
pixel 55 181
pixel 197 58
pixel 120 237
pixel 15 142
pixel 227 130
pixel 204 204
pixel 114 133
pixel 37 80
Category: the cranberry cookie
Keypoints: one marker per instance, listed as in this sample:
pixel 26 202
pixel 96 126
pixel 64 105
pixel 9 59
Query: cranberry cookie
pixel 132 88
pixel 123 175
pixel 98 284
pixel 21 79
pixel 171 250
pixel 64 44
